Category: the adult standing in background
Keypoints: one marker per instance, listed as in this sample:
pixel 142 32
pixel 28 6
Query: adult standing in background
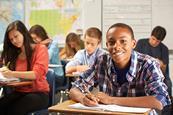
pixel 154 47
pixel 40 35
pixel 28 61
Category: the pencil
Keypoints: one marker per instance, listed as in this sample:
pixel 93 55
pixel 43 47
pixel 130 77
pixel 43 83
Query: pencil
pixel 85 90
pixel 8 64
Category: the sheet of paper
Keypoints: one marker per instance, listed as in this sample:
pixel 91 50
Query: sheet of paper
pixel 114 108
pixel 54 65
pixel 7 80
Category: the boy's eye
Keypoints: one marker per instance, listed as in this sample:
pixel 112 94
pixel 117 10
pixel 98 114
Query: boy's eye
pixel 111 43
pixel 123 41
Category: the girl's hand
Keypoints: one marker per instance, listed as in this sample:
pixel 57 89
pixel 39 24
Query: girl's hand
pixel 6 72
pixel 3 69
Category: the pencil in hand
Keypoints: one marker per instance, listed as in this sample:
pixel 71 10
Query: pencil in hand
pixel 4 68
pixel 89 95
pixel 8 64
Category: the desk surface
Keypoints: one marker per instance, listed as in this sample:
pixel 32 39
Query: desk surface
pixel 63 108
pixel 16 84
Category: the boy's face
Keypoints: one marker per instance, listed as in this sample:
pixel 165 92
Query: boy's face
pixel 91 44
pixel 120 44
pixel 154 41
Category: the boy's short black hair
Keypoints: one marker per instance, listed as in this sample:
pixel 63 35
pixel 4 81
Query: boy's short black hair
pixel 159 32
pixel 123 25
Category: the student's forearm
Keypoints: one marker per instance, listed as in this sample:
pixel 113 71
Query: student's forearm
pixel 25 75
pixel 70 70
pixel 76 95
pixel 163 68
pixel 145 101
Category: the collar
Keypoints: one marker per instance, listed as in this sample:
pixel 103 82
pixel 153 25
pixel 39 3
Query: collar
pixel 133 66
pixel 93 54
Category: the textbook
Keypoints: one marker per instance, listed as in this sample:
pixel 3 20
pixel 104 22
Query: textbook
pixel 112 108
pixel 4 80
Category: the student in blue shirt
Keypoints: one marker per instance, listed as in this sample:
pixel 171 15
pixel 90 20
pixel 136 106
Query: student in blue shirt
pixel 84 58
pixel 154 47
pixel 39 35
pixel 124 76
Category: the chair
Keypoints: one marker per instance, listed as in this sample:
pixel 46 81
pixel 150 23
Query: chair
pixel 51 82
pixel 63 89
pixel 167 81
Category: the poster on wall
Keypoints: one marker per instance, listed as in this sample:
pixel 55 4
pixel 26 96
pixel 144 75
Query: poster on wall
pixel 10 10
pixel 58 17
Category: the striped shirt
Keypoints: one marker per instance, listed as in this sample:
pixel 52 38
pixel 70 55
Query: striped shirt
pixel 144 78
pixel 83 58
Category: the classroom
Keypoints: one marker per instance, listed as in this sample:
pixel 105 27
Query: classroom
pixel 62 18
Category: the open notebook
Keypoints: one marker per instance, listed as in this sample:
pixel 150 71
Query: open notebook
pixel 5 80
pixel 113 108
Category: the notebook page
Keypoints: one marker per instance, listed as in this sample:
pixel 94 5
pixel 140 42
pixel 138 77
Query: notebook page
pixel 113 108
pixel 6 80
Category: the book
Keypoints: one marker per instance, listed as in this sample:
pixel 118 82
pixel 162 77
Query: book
pixel 112 108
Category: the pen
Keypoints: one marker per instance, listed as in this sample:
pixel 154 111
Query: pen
pixel 88 94
pixel 8 64
pixel 85 90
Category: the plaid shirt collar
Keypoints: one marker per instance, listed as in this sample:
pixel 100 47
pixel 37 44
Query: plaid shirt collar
pixel 132 70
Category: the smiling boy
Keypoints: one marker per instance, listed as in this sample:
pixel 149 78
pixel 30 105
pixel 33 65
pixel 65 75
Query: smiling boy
pixel 124 76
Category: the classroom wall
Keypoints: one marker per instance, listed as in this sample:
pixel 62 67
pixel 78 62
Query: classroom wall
pixel 92 14
pixel 160 12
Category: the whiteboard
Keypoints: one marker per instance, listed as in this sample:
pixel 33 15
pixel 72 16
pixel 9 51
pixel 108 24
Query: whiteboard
pixel 141 15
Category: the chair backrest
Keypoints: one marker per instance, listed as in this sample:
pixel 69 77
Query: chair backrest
pixel 66 80
pixel 168 81
pixel 51 81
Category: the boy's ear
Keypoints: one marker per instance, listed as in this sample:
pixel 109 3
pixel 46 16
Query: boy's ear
pixel 133 43
pixel 106 44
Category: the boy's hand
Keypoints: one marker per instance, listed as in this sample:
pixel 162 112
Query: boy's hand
pixel 82 68
pixel 103 98
pixel 90 100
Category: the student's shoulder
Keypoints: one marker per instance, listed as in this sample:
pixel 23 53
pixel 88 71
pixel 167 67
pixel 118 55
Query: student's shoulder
pixel 144 58
pixel 143 40
pixel 40 47
pixel 104 56
pixel 163 46
pixel 102 51
pixel 81 51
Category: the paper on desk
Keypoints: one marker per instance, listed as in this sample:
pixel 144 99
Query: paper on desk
pixel 54 65
pixel 7 80
pixel 113 108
